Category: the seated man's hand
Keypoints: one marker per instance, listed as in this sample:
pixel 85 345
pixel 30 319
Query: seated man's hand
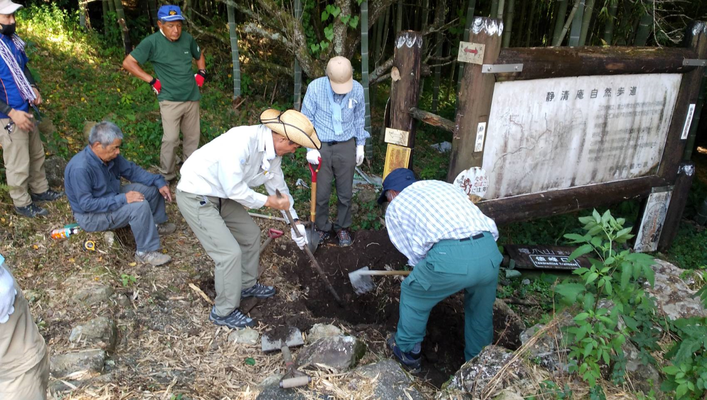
pixel 133 196
pixel 282 203
pixel 7 295
pixel 164 191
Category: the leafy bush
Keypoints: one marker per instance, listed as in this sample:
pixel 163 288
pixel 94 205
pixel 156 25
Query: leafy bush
pixel 687 373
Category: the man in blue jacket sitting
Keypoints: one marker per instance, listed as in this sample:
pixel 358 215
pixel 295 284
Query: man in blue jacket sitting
pixel 100 202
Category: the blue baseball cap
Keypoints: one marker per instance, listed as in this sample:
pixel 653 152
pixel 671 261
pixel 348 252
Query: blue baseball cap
pixel 169 13
pixel 397 180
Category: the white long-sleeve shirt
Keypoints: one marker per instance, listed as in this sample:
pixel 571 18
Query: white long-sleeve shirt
pixel 232 164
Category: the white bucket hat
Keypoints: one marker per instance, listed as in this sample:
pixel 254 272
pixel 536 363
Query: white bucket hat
pixel 340 74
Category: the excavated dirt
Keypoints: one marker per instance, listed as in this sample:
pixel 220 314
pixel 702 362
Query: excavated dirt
pixel 373 315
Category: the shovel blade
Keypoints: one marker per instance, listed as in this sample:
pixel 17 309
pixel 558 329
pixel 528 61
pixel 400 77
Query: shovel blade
pixel 293 339
pixel 312 239
pixel 361 283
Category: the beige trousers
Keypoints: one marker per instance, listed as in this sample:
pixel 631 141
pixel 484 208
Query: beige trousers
pixel 231 238
pixel 23 155
pixel 24 359
pixel 176 116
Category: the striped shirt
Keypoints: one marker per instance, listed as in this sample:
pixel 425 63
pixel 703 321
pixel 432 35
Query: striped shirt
pixel 317 108
pixel 429 211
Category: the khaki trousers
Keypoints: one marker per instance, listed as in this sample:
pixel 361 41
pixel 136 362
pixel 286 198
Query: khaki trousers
pixel 176 116
pixel 24 359
pixel 230 238
pixel 23 155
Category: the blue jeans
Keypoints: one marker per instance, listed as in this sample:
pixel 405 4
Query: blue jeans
pixel 141 216
pixel 450 266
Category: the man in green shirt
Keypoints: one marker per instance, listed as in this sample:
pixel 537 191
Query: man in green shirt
pixel 171 51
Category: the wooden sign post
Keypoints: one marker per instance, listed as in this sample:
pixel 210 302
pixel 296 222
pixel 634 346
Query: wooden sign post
pixel 404 92
pixel 475 95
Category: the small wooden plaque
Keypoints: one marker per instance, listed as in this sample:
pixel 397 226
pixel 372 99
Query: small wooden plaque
pixel 472 53
pixel 396 157
pixel 397 136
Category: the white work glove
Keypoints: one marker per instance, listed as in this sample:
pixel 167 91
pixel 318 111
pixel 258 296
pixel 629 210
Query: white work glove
pixel 313 157
pixel 301 241
pixel 7 294
pixel 359 155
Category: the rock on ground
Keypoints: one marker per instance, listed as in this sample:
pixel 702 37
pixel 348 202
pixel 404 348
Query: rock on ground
pixel 674 298
pixel 475 376
pixel 54 167
pixel 62 365
pixel 100 331
pixel 340 353
pixel 93 295
pixel 385 380
pixel 244 336
pixel 319 331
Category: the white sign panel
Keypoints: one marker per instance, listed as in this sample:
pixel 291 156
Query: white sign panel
pixel 480 133
pixel 550 134
pixel 688 122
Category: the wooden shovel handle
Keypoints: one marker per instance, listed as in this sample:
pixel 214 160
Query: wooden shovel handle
pixel 401 273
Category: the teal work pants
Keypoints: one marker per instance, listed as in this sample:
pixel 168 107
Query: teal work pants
pixel 450 266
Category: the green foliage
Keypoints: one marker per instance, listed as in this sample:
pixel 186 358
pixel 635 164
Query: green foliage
pixel 616 275
pixel 686 374
pixel 128 280
pixel 550 391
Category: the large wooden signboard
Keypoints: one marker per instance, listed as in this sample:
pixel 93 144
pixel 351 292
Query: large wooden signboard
pixel 551 134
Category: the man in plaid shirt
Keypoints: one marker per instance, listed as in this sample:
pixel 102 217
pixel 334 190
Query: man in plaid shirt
pixel 452 246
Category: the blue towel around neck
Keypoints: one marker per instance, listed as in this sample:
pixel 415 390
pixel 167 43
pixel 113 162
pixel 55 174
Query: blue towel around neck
pixel 335 111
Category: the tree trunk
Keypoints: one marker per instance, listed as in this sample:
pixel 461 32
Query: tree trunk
pixel 577 24
pixel 508 25
pixel 364 75
pixel 127 44
pixel 586 21
pixel 404 92
pixel 645 26
pixel 609 27
pixel 559 19
pixel 234 51
pixel 440 12
pixel 82 13
pixel 570 18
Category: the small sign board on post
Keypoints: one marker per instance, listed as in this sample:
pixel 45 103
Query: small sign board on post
pixel 653 219
pixel 545 257
pixel 396 157
pixel 472 53
pixel 397 136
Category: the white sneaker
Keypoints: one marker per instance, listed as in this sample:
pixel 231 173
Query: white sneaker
pixel 153 258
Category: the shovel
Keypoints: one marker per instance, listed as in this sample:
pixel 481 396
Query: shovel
pixel 362 282
pixel 312 236
pixel 315 264
pixel 272 234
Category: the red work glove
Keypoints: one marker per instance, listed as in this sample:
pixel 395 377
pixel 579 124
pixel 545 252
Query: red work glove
pixel 156 85
pixel 200 77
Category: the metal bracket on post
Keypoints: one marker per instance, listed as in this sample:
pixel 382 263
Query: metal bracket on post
pixel 501 68
pixel 694 62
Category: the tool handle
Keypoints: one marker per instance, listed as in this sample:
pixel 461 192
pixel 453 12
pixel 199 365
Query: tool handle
pixel 314 264
pixel 294 382
pixel 286 355
pixel 402 273
pixel 313 202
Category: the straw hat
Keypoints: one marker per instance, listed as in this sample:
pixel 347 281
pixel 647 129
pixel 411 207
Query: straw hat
pixel 340 74
pixel 293 125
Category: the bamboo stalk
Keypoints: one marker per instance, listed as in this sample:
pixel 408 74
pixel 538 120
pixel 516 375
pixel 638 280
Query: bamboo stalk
pixel 588 11
pixel 106 8
pixel 645 26
pixel 298 69
pixel 364 75
pixel 439 42
pixel 153 13
pixel 508 25
pixel 501 8
pixel 399 17
pixel 567 23
pixel 471 6
pixel 494 9
pixel 576 29
pixel 609 27
pixel 234 51
pixel 127 44
pixel 559 19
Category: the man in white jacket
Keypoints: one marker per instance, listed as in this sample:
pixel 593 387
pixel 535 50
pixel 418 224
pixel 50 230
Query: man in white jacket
pixel 216 189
